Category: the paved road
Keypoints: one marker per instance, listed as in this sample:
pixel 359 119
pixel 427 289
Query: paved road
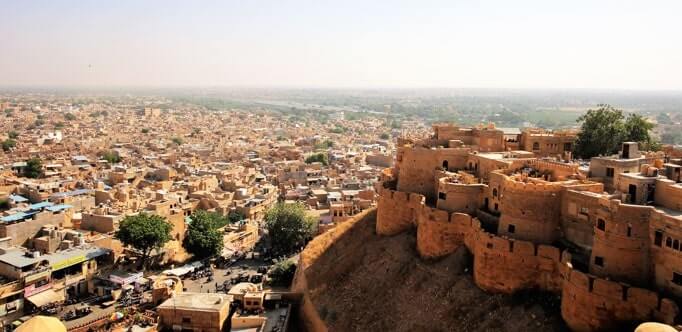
pixel 245 266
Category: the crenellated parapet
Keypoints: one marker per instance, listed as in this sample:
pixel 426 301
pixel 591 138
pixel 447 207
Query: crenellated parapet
pixel 507 265
pixel 530 210
pixel 397 211
pixel 440 233
pixel 504 265
pixel 589 303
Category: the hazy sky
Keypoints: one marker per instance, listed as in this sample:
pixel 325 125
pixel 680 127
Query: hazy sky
pixel 371 43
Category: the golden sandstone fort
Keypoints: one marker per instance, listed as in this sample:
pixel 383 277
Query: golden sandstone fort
pixel 606 238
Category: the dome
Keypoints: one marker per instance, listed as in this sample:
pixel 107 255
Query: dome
pixel 42 323
pixel 654 327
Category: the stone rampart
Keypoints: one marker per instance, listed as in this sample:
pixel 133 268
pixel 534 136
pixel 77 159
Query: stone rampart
pixel 328 255
pixel 397 211
pixel 440 233
pixel 589 303
pixel 530 211
pixel 505 265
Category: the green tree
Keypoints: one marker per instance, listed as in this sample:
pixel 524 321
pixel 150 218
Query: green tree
pixel 34 168
pixel 384 136
pixel 324 145
pixel 338 130
pixel 288 227
pixel 144 232
pixel 177 140
pixel 235 216
pixel 111 156
pixel 604 129
pixel 318 157
pixel 8 144
pixel 13 134
pixel 282 273
pixel 145 130
pixel 69 117
pixel 203 237
pixel 601 132
pixel 637 129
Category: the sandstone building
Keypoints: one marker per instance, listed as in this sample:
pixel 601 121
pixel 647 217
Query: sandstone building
pixel 607 239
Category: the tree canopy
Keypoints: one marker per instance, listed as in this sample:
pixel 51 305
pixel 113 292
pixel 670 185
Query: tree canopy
pixel 111 156
pixel 235 216
pixel 282 273
pixel 34 168
pixel 605 128
pixel 318 157
pixel 288 227
pixel 8 144
pixel 144 232
pixel 203 237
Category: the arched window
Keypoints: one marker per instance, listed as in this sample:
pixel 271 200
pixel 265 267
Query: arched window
pixel 536 146
pixel 669 242
pixel 494 192
pixel 676 245
pixel 445 165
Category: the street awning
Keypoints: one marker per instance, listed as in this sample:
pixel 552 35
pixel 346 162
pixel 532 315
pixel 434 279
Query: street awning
pixel 46 297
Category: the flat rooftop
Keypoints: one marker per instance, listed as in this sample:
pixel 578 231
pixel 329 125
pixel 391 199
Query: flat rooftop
pixel 197 301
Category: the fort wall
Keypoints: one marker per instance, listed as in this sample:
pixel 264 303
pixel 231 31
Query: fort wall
pixel 459 197
pixel 416 167
pixel 397 211
pixel 328 255
pixel 440 233
pixel 668 194
pixel 504 265
pixel 591 304
pixel 665 257
pixel 621 243
pixel 530 211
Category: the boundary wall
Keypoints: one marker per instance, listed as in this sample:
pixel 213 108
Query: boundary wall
pixel 504 265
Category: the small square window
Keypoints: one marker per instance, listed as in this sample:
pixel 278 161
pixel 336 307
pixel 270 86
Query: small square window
pixel 601 224
pixel 511 228
pixel 599 261
pixel 677 278
pixel 442 195
pixel 186 320
pixel 609 172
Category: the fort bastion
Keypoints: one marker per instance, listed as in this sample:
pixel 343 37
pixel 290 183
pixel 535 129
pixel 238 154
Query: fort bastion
pixel 612 252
